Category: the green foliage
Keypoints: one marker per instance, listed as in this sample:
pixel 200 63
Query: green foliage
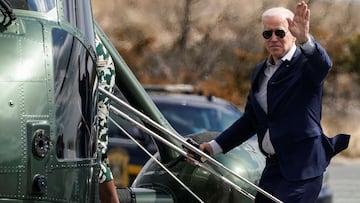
pixel 345 54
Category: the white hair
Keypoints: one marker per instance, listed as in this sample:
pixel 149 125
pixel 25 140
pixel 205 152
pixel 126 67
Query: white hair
pixel 278 11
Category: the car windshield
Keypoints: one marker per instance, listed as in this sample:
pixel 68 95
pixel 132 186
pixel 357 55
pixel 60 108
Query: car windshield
pixel 188 119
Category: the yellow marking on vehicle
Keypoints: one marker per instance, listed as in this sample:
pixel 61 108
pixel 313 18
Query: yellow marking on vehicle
pixel 134 169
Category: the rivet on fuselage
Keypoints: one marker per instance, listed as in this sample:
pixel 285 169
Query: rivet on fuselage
pixel 11 103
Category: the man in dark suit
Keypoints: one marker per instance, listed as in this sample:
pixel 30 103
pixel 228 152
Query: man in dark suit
pixel 284 110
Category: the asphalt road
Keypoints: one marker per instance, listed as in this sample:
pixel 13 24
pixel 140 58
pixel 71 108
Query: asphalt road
pixel 344 181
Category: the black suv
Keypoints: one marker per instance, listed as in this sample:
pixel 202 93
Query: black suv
pixel 194 113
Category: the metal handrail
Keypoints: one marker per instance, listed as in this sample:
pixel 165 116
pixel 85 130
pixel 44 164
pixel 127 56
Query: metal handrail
pixel 178 149
pixel 205 157
pixel 153 158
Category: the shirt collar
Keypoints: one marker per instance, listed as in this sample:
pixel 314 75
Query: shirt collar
pixel 288 56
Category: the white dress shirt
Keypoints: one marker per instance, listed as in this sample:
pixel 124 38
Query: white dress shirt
pixel 261 95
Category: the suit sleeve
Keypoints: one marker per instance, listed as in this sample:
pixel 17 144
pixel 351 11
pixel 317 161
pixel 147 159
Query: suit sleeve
pixel 319 64
pixel 239 131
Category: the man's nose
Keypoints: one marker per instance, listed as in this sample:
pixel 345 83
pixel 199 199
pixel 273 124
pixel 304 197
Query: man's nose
pixel 274 38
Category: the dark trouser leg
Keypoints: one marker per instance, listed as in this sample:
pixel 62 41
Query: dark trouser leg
pixel 287 191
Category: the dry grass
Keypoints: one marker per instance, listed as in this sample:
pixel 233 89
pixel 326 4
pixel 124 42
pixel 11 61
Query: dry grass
pixel 160 20
pixel 342 115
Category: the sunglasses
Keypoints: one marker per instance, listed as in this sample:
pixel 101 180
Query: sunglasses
pixel 268 33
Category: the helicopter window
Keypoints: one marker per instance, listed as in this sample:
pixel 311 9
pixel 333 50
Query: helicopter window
pixel 74 80
pixel 78 13
pixel 43 6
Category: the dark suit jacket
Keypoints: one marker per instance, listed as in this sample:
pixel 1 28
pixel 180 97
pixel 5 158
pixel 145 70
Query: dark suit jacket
pixel 293 118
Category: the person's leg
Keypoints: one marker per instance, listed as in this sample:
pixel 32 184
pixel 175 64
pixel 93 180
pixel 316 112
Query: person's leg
pixel 108 192
pixel 106 78
pixel 269 181
pixel 107 188
pixel 303 191
pixel 287 191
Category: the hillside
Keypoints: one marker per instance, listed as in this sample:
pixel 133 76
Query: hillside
pixel 214 45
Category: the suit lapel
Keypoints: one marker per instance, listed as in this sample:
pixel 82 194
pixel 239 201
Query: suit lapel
pixel 256 76
pixel 285 68
pixel 255 88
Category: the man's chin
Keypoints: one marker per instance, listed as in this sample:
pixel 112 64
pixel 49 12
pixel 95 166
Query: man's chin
pixel 276 53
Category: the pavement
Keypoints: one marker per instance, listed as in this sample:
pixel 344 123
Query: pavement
pixel 344 180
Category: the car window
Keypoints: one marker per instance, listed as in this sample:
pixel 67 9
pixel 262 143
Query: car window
pixel 190 119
